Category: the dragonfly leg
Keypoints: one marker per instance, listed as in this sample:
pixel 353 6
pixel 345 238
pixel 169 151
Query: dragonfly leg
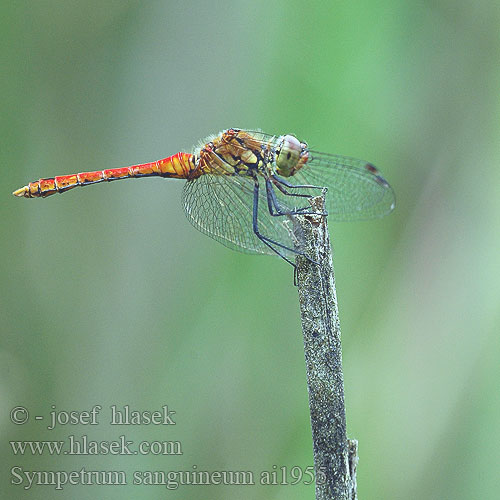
pixel 280 183
pixel 273 201
pixel 283 181
pixel 274 207
pixel 268 241
pixel 281 187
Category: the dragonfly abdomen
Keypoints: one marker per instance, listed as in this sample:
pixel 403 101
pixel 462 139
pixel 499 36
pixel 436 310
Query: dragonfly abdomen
pixel 178 166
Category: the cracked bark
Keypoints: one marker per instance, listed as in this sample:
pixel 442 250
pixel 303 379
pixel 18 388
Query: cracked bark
pixel 335 456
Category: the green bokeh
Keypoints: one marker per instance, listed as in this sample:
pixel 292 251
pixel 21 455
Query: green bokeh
pixel 109 296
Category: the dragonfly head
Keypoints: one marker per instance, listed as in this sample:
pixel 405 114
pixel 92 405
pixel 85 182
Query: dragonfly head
pixel 291 155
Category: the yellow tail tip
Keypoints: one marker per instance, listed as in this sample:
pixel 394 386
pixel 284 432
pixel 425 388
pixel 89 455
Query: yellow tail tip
pixel 21 192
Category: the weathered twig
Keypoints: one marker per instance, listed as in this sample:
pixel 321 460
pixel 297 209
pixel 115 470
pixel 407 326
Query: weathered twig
pixel 335 457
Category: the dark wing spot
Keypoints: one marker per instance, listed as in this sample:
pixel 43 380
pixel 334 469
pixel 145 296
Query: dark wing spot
pixel 381 181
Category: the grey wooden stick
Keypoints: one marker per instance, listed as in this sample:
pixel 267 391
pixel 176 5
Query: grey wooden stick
pixel 335 457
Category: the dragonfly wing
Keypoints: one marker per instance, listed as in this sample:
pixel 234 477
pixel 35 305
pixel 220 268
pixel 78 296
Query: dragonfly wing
pixel 221 206
pixel 356 190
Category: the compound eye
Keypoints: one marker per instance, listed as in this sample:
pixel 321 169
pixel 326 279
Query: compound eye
pixel 288 155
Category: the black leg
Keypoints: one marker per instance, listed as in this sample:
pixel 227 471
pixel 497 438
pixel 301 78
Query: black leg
pixel 273 204
pixel 271 196
pixel 267 241
pixel 281 187
pixel 290 185
pixel 271 200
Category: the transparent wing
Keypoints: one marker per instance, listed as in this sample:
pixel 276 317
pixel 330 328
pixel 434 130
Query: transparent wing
pixel 221 206
pixel 356 190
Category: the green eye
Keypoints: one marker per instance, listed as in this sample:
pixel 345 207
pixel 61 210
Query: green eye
pixel 288 155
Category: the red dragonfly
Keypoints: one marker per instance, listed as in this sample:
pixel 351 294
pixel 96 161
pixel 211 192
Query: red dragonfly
pixel 243 187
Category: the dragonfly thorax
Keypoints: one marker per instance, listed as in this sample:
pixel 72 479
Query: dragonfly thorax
pixel 291 155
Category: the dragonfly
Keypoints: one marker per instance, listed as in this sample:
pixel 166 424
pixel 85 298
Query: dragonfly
pixel 244 187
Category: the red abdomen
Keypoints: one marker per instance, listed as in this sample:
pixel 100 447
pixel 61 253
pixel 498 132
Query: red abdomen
pixel 178 166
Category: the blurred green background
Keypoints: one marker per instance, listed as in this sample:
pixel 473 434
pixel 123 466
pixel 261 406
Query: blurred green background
pixel 109 296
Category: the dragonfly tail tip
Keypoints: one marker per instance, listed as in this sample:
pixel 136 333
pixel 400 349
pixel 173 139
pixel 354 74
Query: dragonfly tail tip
pixel 21 192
